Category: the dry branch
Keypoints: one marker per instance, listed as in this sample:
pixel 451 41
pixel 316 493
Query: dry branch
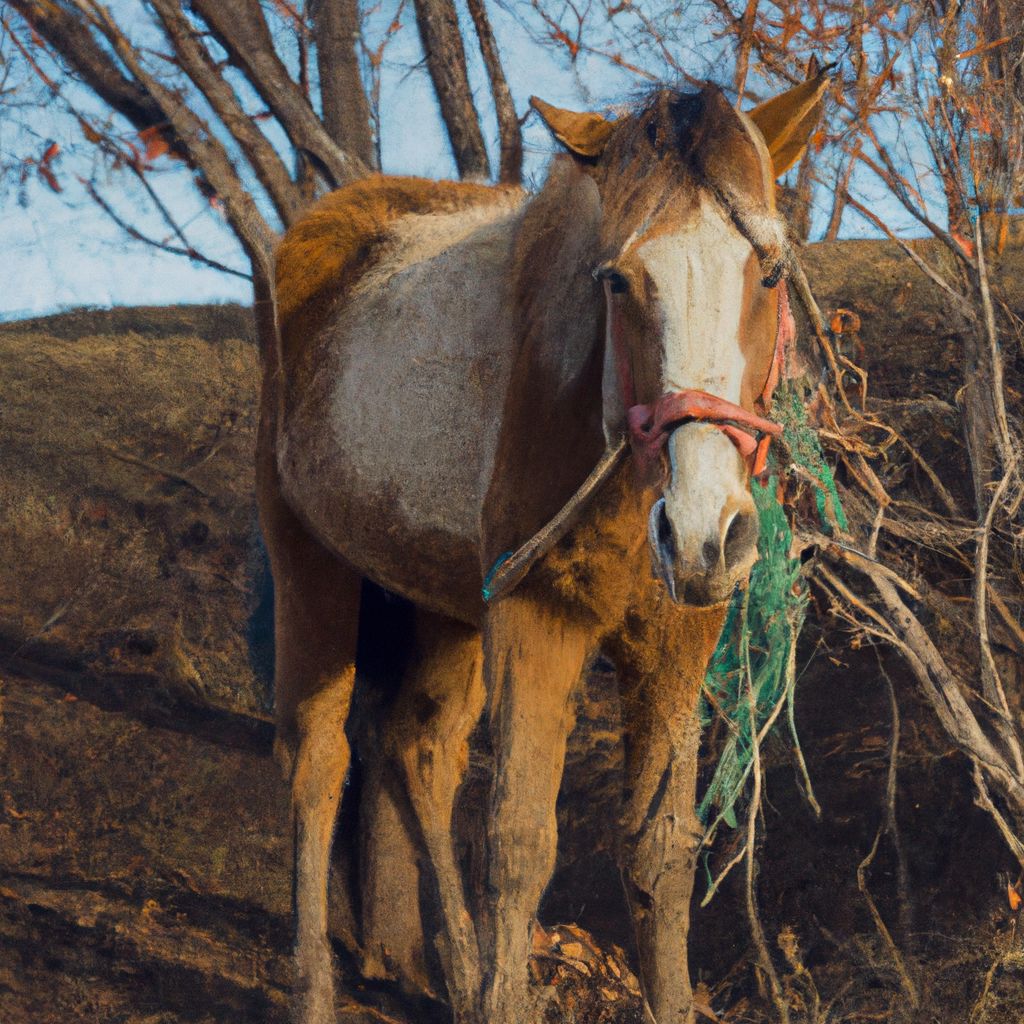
pixel 438 24
pixel 346 110
pixel 510 136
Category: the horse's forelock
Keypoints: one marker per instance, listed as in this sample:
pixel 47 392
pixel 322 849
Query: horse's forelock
pixel 689 141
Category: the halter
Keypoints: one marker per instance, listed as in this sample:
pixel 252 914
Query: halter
pixel 649 430
pixel 650 425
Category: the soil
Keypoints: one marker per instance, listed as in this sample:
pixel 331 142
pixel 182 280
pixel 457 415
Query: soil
pixel 144 867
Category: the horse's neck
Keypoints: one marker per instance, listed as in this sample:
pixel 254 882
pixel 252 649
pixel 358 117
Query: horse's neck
pixel 551 435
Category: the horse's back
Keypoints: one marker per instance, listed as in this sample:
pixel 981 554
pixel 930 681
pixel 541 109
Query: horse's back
pixel 392 408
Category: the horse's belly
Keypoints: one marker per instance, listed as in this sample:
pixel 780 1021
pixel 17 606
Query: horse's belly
pixel 387 452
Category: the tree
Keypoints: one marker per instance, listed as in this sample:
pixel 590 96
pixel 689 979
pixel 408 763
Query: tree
pixel 185 81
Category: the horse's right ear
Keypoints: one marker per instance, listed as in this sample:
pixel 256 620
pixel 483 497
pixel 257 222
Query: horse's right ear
pixel 582 134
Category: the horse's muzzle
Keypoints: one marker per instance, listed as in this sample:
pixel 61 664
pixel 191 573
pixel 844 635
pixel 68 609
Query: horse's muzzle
pixel 708 574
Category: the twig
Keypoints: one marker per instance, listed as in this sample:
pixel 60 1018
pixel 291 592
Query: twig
pixel 961 304
pixel 1007 616
pixel 133 232
pixel 790 692
pixel 859 560
pixel 891 823
pixel 991 682
pixel 134 460
pixel 905 980
pixel 1006 452
pixel 716 882
pixel 984 800
pixel 756 931
pixel 807 301
pixel 940 488
pixel 1014 958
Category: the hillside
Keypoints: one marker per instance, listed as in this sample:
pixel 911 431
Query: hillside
pixel 143 854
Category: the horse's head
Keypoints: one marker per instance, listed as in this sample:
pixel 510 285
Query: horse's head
pixel 692 262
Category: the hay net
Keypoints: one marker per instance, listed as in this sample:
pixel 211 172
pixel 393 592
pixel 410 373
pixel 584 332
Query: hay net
pixel 751 678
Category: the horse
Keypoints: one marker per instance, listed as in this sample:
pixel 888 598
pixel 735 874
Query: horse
pixel 580 377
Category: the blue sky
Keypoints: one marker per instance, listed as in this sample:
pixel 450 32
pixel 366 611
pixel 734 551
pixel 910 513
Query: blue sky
pixel 61 251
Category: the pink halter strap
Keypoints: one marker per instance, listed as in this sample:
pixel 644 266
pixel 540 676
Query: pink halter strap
pixel 650 425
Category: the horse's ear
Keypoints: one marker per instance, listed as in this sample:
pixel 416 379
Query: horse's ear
pixel 582 134
pixel 787 121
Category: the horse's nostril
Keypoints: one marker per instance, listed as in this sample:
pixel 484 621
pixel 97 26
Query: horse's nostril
pixel 740 538
pixel 710 553
pixel 665 539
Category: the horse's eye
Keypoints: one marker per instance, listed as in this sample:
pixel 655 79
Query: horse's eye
pixel 616 280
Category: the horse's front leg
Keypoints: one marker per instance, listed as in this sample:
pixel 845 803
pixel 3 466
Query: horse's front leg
pixel 662 657
pixel 533 660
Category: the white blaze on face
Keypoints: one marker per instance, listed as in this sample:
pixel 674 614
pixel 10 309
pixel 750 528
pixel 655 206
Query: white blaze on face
pixel 699 276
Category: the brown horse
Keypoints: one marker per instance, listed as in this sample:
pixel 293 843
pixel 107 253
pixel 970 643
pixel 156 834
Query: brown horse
pixel 454 360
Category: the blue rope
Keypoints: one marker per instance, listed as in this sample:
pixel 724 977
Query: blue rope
pixel 489 578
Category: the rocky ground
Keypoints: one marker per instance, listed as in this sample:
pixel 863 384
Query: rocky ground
pixel 144 870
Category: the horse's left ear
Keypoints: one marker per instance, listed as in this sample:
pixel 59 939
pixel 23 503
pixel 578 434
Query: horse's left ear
pixel 786 121
pixel 582 134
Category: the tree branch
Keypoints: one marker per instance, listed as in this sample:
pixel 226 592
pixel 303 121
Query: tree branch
pixel 510 165
pixel 134 232
pixel 205 150
pixel 84 56
pixel 346 112
pixel 195 60
pixel 438 24
pixel 239 26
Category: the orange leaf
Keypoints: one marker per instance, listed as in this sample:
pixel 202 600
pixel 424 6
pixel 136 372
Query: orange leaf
pixel 1004 234
pixel 88 131
pixel 844 321
pixel 1013 896
pixel 156 144
pixel 571 45
pixel 49 177
pixel 965 244
pixel 50 152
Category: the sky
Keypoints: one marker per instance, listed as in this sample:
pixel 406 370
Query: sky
pixel 61 251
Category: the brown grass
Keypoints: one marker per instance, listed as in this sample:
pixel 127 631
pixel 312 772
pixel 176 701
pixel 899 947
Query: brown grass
pixel 125 495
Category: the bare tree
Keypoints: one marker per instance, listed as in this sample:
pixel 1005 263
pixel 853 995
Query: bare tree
pixel 959 94
pixel 191 99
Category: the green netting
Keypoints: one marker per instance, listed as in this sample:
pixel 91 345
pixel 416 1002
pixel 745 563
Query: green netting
pixel 788 408
pixel 753 666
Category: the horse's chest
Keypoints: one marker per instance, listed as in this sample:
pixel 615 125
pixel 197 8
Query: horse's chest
pixel 602 565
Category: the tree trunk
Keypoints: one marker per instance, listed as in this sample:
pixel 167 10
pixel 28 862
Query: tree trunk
pixel 346 112
pixel 510 165
pixel 438 24
pixel 241 29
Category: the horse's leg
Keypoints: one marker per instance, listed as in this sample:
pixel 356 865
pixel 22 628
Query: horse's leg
pixel 534 658
pixel 316 610
pixel 428 738
pixel 392 943
pixel 662 658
